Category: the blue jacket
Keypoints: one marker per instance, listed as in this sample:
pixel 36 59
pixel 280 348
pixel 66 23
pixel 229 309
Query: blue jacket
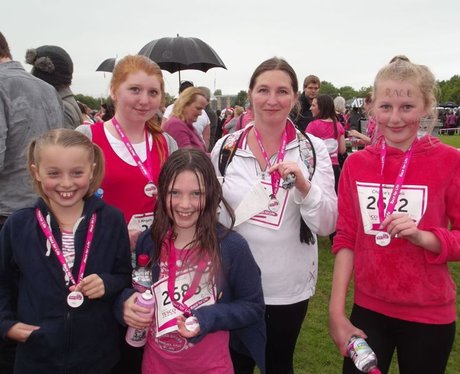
pixel 80 340
pixel 240 308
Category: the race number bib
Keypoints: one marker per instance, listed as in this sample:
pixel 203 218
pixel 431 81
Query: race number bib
pixel 412 200
pixel 271 218
pixel 140 222
pixel 166 313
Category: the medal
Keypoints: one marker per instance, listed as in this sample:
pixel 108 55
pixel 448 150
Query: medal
pixel 75 299
pixel 150 189
pixel 191 323
pixel 273 204
pixel 275 176
pixel 382 238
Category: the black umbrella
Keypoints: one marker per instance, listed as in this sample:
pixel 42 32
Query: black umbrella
pixel 179 53
pixel 107 65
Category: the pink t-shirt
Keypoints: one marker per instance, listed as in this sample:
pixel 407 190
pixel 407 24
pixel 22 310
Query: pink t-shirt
pixel 172 353
pixel 325 130
pixel 184 134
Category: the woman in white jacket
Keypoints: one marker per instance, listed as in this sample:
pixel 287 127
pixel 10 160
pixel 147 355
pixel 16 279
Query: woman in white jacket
pixel 281 185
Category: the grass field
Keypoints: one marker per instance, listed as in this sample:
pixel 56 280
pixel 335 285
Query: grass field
pixel 315 351
pixel 453 140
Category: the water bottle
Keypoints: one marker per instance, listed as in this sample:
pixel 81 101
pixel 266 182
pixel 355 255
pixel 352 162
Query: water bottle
pixel 362 355
pixel 138 337
pixel 99 193
pixel 142 275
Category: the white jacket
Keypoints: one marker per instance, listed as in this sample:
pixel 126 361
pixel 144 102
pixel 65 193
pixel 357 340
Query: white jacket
pixel 289 267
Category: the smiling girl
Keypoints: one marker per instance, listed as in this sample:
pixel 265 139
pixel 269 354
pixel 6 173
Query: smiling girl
pixel 66 259
pixel 204 274
pixel 398 228
pixel 134 146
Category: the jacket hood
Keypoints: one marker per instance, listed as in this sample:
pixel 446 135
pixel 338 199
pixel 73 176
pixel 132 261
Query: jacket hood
pixel 92 205
pixel 426 143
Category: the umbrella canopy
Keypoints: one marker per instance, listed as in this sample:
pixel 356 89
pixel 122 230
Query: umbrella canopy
pixel 107 65
pixel 179 53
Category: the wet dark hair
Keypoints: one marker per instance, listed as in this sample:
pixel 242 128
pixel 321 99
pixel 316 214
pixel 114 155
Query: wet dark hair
pixel 206 236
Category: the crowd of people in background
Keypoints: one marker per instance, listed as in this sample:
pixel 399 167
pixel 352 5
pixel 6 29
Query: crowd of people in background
pixel 228 205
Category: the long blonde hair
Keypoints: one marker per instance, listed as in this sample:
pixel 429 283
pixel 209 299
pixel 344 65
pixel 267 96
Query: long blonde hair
pixel 401 69
pixel 186 98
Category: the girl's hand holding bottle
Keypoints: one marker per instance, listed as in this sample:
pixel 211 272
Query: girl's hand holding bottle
pixel 133 314
pixel 341 330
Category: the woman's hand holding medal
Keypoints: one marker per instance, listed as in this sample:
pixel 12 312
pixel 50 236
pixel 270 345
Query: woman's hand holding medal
pixel 285 168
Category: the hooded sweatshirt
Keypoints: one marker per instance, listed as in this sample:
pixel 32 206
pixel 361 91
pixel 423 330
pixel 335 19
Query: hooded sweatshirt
pixel 403 280
pixel 70 340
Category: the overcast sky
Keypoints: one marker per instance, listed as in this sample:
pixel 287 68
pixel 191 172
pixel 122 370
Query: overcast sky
pixel 344 42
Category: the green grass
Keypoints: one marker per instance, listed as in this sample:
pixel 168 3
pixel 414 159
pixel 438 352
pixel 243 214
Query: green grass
pixel 315 351
pixel 453 140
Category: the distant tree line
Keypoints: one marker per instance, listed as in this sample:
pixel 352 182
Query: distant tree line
pixel 449 92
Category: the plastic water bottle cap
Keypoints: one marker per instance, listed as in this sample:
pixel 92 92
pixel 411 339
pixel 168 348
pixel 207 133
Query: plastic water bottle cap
pixel 143 260
pixel 147 295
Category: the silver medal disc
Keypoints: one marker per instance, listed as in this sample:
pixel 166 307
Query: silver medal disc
pixel 150 189
pixel 191 323
pixel 382 239
pixel 75 299
pixel 273 204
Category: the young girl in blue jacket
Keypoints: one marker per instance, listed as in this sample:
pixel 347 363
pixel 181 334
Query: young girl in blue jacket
pixel 207 286
pixel 66 260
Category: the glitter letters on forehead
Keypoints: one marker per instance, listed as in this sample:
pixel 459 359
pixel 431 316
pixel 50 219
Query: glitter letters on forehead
pixel 399 93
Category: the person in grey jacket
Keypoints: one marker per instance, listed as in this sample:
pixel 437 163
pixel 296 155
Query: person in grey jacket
pixel 28 108
pixel 54 65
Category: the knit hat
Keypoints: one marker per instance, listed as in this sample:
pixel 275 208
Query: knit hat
pixel 51 64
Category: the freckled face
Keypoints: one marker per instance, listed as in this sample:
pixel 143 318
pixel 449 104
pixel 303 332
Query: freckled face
pixel 398 109
pixel 64 174
pixel 138 98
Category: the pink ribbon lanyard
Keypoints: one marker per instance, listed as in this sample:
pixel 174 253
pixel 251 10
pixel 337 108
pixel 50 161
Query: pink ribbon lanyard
pixel 397 185
pixel 275 176
pixel 172 268
pixel 145 171
pixel 65 266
